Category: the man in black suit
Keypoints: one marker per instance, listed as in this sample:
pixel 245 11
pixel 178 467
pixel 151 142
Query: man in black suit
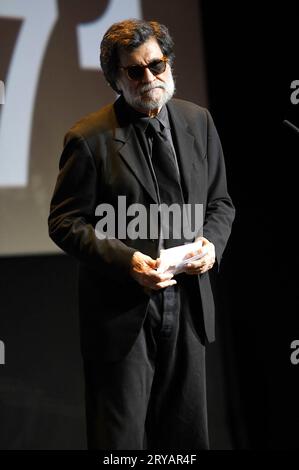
pixel 143 332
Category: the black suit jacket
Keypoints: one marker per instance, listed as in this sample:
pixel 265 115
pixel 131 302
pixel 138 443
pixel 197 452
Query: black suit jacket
pixel 102 160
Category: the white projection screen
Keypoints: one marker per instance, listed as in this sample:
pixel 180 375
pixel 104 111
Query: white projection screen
pixel 50 77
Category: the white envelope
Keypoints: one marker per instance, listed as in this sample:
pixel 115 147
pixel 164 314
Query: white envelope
pixel 173 260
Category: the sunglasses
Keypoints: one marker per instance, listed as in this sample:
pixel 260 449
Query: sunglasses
pixel 136 72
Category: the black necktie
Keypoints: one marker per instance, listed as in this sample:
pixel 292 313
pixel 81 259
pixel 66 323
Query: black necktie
pixel 168 181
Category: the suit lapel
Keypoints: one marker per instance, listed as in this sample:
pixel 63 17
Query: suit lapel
pixel 131 152
pixel 129 148
pixel 184 143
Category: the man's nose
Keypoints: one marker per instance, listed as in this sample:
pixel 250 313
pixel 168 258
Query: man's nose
pixel 148 76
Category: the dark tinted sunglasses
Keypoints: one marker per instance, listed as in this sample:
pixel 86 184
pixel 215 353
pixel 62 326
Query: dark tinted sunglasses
pixel 136 72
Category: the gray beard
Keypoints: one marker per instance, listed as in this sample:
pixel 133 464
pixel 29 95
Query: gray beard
pixel 138 102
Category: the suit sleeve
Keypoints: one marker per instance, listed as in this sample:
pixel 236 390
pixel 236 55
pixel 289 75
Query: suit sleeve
pixel 72 213
pixel 220 211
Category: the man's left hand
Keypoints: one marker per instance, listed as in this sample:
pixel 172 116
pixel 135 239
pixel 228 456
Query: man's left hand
pixel 206 262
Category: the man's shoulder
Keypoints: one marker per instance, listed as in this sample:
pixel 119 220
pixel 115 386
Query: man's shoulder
pixel 94 124
pixel 187 107
pixel 194 116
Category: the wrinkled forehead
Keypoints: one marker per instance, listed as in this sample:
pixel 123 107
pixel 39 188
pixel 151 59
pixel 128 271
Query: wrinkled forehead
pixel 141 55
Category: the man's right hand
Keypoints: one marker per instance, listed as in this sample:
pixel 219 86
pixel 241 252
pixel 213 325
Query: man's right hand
pixel 143 270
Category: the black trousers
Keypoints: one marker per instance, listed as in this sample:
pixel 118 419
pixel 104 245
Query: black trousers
pixel 155 397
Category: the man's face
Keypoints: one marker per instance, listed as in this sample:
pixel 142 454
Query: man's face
pixel 151 92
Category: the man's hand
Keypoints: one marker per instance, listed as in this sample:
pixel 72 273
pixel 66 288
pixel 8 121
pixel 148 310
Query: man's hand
pixel 206 262
pixel 143 270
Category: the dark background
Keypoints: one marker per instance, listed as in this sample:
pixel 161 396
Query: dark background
pixel 251 51
pixel 251 60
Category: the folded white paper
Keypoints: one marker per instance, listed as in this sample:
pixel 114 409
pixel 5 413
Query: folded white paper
pixel 173 260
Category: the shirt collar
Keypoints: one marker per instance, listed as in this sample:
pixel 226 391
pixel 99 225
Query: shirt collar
pixel 163 118
pixel 142 120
